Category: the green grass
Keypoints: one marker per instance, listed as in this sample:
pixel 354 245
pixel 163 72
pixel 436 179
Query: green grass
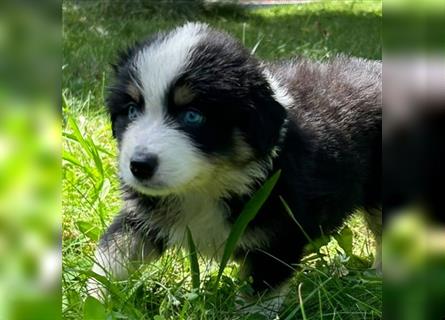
pixel 93 33
pixel 334 282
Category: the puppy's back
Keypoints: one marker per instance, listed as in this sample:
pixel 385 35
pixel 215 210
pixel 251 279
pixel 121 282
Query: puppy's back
pixel 336 100
pixel 337 108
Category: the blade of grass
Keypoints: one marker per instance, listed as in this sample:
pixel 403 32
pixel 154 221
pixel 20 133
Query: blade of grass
pixel 194 265
pixel 247 214
pixel 291 215
pixel 316 245
pixel 90 149
pixel 87 145
pixel 114 292
pixel 300 300
pixel 93 309
pixel 72 137
pixel 321 284
pixel 74 161
pixel 256 46
pixel 320 304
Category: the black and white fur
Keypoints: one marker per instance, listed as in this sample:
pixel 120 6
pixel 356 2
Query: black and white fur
pixel 318 122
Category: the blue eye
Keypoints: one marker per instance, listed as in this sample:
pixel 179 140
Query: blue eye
pixel 192 118
pixel 133 111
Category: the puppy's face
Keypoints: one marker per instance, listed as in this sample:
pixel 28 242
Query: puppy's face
pixel 188 107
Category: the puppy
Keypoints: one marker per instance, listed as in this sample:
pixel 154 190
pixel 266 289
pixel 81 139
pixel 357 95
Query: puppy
pixel 201 124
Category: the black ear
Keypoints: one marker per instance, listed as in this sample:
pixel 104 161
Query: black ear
pixel 264 120
pixel 124 56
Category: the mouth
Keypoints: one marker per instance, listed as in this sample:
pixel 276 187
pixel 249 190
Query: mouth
pixel 158 188
pixel 150 188
pixel 153 191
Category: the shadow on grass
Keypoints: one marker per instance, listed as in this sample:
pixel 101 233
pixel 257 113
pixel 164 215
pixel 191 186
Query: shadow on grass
pixel 94 32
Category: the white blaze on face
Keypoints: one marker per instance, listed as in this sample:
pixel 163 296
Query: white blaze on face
pixel 161 63
pixel 180 162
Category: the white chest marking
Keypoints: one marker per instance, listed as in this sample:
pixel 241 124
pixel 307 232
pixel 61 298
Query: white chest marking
pixel 206 219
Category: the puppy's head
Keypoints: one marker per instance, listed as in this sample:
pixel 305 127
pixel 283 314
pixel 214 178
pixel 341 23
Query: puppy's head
pixel 189 107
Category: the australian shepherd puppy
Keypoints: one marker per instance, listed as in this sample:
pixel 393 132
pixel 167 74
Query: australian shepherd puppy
pixel 201 124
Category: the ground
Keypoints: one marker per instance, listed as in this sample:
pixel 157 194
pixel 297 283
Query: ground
pixel 333 282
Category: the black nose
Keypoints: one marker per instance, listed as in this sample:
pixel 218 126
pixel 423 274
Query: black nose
pixel 143 165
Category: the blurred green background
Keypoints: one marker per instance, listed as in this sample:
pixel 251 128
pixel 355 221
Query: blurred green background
pixel 31 123
pixel 30 131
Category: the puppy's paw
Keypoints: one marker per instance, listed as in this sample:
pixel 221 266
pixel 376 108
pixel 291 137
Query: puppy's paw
pixel 96 290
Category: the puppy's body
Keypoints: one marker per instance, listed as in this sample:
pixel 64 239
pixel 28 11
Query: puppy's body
pixel 216 123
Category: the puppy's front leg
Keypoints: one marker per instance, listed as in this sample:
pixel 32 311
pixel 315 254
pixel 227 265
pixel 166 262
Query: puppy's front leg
pixel 122 248
pixel 269 269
